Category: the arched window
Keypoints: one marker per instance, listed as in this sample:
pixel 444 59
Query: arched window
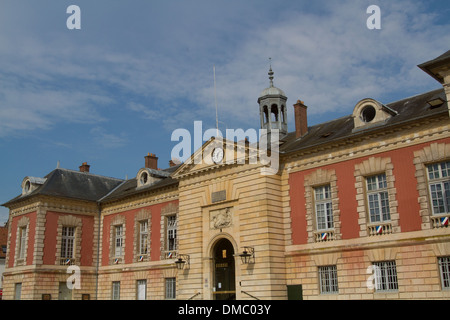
pixel 266 114
pixel 274 113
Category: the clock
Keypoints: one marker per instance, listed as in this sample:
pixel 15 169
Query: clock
pixel 217 155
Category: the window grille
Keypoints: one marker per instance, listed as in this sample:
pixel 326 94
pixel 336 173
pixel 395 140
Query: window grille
pixel 378 199
pixel 115 290
pixel 385 276
pixel 328 279
pixel 444 268
pixel 170 288
pixel 439 184
pixel 324 210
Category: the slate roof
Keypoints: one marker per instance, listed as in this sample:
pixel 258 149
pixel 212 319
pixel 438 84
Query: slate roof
pixel 72 184
pixel 409 110
pixel 440 61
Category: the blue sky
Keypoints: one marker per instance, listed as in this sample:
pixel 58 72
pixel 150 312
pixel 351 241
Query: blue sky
pixel 114 90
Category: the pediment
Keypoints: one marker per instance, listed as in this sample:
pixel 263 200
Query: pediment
pixel 234 153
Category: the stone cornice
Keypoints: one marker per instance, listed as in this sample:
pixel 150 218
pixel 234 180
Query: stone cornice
pixel 140 200
pixel 370 144
pixel 372 242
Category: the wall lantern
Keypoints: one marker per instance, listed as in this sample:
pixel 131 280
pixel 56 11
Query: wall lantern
pixel 182 261
pixel 248 255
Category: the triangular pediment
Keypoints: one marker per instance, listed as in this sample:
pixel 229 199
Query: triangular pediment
pixel 233 153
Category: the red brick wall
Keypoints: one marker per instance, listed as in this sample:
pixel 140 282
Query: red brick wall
pixel 31 236
pixel 405 184
pixel 155 233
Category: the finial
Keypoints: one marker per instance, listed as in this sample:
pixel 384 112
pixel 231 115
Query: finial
pixel 270 73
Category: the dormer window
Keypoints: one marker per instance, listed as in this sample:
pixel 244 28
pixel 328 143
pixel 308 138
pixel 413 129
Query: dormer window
pixel 27 187
pixel 144 178
pixel 369 112
pixel 30 184
pixel 147 176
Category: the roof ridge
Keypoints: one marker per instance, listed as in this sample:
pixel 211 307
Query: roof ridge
pixel 88 173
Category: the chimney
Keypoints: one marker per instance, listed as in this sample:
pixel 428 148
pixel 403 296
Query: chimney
pixel 171 163
pixel 151 161
pixel 301 119
pixel 84 167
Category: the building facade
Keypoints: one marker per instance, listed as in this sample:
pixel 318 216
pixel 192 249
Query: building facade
pixel 358 208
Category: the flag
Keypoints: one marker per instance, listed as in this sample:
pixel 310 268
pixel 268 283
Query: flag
pixel 169 255
pixel 444 221
pixel 116 260
pixel 379 229
pixel 67 261
pixel 324 236
pixel 141 258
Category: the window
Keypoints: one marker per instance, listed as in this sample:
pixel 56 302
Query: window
pixel 170 288
pixel 17 291
pixel 171 233
pixel 439 183
pixel 385 276
pixel 141 290
pixel 328 279
pixel 118 241
pixel 22 242
pixel 143 237
pixel 444 268
pixel 67 242
pixel 378 199
pixel 324 211
pixel 115 290
pixel 368 113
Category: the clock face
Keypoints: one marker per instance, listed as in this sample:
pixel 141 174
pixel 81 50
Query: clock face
pixel 217 155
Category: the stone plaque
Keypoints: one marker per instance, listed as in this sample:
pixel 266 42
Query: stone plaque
pixel 218 196
pixel 219 219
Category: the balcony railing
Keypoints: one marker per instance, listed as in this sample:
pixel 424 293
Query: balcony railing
pixel 324 235
pixel 169 254
pixel 66 261
pixel 379 229
pixel 440 221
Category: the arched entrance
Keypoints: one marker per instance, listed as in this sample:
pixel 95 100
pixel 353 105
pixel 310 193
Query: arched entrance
pixel 224 270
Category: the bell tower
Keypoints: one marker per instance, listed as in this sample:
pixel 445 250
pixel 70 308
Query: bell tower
pixel 272 108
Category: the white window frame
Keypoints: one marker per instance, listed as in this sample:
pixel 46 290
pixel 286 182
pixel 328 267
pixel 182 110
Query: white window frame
pixel 23 242
pixel 378 198
pixel 172 224
pixel 141 289
pixel 444 271
pixel 118 240
pixel 328 280
pixel 323 207
pixel 439 187
pixel 143 237
pixel 68 242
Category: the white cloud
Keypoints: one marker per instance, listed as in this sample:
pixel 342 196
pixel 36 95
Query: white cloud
pixel 326 57
pixel 105 139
